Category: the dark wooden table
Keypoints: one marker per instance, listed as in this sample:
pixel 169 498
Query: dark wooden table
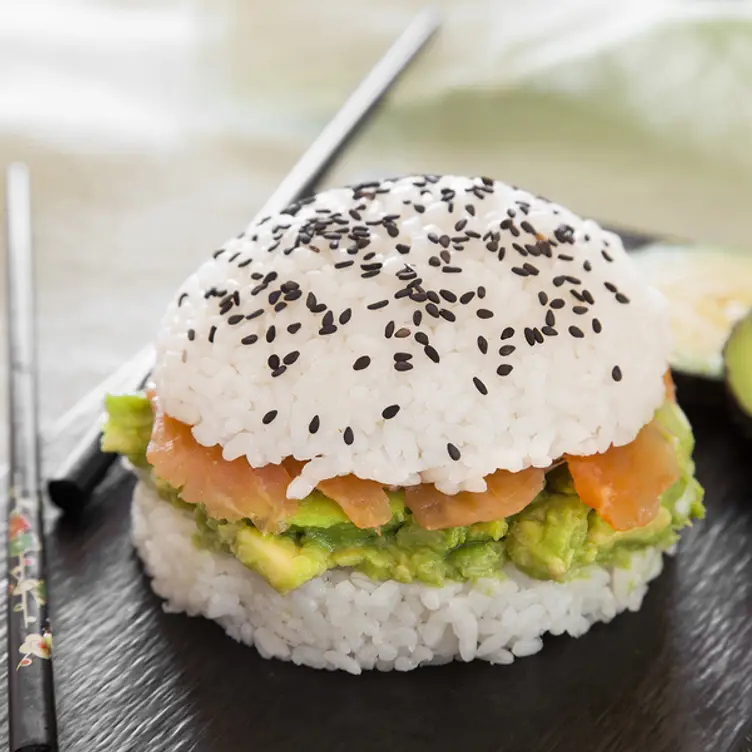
pixel 675 677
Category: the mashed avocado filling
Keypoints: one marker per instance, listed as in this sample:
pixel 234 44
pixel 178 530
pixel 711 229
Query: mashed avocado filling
pixel 552 538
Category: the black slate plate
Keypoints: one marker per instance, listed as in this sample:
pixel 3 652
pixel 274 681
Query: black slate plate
pixel 677 676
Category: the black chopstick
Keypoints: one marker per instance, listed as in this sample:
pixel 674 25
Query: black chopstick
pixel 87 465
pixel 30 686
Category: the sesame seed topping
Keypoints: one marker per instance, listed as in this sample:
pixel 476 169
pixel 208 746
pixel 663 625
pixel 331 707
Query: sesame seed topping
pixel 431 353
pixel 212 332
pixel 579 310
pixel 271 333
pixel 447 315
pixel 313 426
pixel 293 328
pixel 481 292
pixel 433 297
pixel 403 365
pixel 542 298
pixel 345 316
pixel 484 313
pixel 504 369
pixel 597 326
pixel 453 452
pixel 377 305
pixel 519 271
pixel 479 385
pixel 389 412
pixel 389 330
pixel 549 331
pixel 402 356
pixel 550 318
pixel 507 333
pixel 249 340
pixel 402 248
pixel 269 417
pixel 291 357
pixel 191 335
pixel 621 298
pixel 273 362
pixel 606 256
pixel 402 332
pixel 505 350
pixel 448 295
pixel 538 336
pixel 344 264
pixel 610 286
pixel 434 261
pixel 557 303
pixel 182 298
pixel 279 371
pixel 432 310
pixel 576 332
pixel 417 318
pixel 348 436
pixel 529 336
pixel 451 269
pixel 465 298
pixel 616 373
pixel 421 338
pixel 483 344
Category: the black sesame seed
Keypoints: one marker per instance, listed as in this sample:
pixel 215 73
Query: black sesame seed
pixel 402 366
pixel 616 373
pixel 419 208
pixel 377 305
pixel 434 261
pixel 327 330
pixel 328 319
pixel 280 306
pixel 389 330
pixel 362 362
pixel 542 298
pixel 587 266
pixel 460 226
pixel 576 332
pixel 402 332
pixel 530 269
pixel 249 340
pixel 579 310
pixel 470 209
pixel 467 297
pixel 279 371
pixel 606 256
pixel 371 267
pixel 610 286
pixel 451 269
pixel 565 257
pixel 433 297
pixel 313 426
pixel 191 335
pixel 212 332
pixel 538 336
pixel 550 318
pixel 433 237
pixel 432 310
pixel 472 234
pixel 368 275
pixel 274 296
pixel 559 281
pixel 417 318
pixel 421 338
pixel 431 353
pixel 402 356
pixel 293 328
pixel 447 315
pixel 519 271
pixel 483 344
pixel 557 303
pixel 492 246
pixel 549 331
pixel 484 313
pixel 444 241
pixel 445 256
pixel 448 295
pixel 504 369
pixel 345 316
pixel 481 292
pixel 402 248
pixel 597 326
pixel 587 297
pixel 479 385
pixel 527 227
pixel 529 336
pixel 507 333
pixel 403 293
pixel 273 362
pixel 182 298
pixel 269 417
pixel 344 264
pixel 389 412
pixel 293 295
pixel 453 452
pixel 621 298
pixel 505 350
pixel 291 357
pixel 271 333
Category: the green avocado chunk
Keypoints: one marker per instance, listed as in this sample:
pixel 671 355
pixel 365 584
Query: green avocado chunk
pixel 128 426
pixel 545 537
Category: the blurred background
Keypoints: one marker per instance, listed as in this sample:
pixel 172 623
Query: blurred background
pixel 154 129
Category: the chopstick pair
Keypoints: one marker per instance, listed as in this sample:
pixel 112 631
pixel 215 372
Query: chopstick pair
pixel 87 465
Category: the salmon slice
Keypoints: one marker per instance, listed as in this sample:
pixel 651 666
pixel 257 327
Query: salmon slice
pixel 364 501
pixel 228 490
pixel 507 494
pixel 624 483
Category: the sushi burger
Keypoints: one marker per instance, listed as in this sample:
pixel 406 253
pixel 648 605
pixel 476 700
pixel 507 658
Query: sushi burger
pixel 409 421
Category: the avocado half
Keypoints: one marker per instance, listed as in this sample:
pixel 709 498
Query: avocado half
pixel 737 356
pixel 709 290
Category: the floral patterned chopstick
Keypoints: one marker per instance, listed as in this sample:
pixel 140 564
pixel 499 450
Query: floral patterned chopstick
pixel 30 686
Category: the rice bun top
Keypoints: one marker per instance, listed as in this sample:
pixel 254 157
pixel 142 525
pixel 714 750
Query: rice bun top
pixel 426 329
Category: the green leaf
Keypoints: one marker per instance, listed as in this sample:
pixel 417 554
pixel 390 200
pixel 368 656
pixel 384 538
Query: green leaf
pixel 23 543
pixel 18 607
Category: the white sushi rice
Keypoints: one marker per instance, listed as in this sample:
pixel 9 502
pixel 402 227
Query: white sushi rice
pixel 246 356
pixel 344 620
